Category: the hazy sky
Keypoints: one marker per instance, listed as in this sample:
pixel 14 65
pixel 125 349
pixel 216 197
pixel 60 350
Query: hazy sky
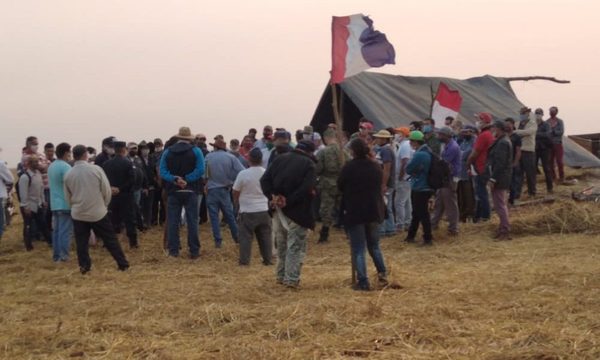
pixel 82 70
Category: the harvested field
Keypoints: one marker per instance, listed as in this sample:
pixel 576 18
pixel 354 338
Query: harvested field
pixel 536 297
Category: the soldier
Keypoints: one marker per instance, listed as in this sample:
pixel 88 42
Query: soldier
pixel 330 161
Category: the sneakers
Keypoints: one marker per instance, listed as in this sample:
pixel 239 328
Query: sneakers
pixel 382 278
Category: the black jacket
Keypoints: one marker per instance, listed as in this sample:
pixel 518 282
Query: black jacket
pixel 292 175
pixel 499 163
pixel 120 173
pixel 102 158
pixel 360 185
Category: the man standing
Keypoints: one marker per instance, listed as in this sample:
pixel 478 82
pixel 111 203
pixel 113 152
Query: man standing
pixel 267 136
pixel 108 151
pixel 477 162
pixel 527 130
pixel 543 148
pixel 221 170
pixel 517 174
pixel 181 169
pixel 254 210
pixel 446 200
pixel 140 183
pixel 418 169
pixel 6 182
pixel 402 199
pixel 557 131
pixel 88 192
pixel 499 168
pixel 465 192
pixel 234 149
pixel 290 184
pixel 121 175
pixel 329 164
pixel 431 140
pixel 384 154
pixel 149 168
pixel 62 227
pixel 31 190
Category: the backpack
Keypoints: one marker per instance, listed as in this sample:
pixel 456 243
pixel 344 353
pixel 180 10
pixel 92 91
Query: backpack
pixel 439 175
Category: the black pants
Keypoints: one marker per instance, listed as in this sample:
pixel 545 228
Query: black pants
pixel 147 204
pixel 122 210
pixel 158 212
pixel 420 215
pixel 258 224
pixel 466 199
pixel 32 223
pixel 104 230
pixel 543 156
pixel 529 170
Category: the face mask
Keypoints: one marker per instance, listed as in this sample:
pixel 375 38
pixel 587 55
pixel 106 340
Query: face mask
pixel 397 137
pixel 306 137
pixel 524 117
pixel 539 117
pixel 34 148
pixel 158 148
pixel 145 152
pixel 427 128
pixel 110 151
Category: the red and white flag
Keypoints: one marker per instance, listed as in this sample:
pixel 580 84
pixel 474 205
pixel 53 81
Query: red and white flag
pixel 447 103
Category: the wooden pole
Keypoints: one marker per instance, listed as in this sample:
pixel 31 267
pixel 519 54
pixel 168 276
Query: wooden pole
pixel 528 78
pixel 339 130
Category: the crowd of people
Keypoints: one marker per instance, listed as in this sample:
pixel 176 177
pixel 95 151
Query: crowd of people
pixel 373 183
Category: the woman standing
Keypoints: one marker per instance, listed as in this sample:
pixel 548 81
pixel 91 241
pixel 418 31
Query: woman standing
pixel 363 210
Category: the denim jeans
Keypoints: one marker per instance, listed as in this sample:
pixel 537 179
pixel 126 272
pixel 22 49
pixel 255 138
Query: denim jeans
pixel 220 199
pixel 187 200
pixel 2 216
pixel 365 236
pixel 62 229
pixel 403 205
pixel 388 227
pixel 483 199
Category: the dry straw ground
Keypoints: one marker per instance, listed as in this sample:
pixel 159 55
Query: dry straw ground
pixel 536 297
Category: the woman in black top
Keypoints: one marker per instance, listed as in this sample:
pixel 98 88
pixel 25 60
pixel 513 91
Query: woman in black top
pixel 363 210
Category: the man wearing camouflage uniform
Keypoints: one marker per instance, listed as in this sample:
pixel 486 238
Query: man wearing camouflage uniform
pixel 330 161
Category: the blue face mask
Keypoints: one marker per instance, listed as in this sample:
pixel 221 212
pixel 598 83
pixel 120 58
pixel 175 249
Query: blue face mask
pixel 427 128
pixel 524 117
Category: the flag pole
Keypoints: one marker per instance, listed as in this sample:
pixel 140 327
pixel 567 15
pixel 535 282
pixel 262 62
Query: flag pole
pixel 339 122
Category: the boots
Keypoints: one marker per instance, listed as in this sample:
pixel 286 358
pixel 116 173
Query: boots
pixel 324 236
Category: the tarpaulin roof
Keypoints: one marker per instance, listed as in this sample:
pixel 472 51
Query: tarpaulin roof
pixel 391 101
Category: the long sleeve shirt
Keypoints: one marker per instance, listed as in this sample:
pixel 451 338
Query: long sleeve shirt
pixel 557 132
pixel 527 130
pixel 451 155
pixel 221 169
pixel 87 191
pixel 6 179
pixel 31 190
pixel 120 173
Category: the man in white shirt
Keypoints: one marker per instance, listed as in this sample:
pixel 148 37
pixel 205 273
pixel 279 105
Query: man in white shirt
pixel 254 210
pixel 402 202
pixel 88 192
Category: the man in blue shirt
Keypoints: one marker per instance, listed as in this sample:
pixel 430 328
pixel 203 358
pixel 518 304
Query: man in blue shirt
pixel 182 168
pixel 446 200
pixel 62 225
pixel 418 169
pixel 221 170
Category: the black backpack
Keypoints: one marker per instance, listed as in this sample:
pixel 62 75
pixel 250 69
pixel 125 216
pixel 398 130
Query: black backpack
pixel 439 175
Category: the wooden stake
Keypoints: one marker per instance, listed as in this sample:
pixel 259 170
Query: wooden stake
pixel 339 125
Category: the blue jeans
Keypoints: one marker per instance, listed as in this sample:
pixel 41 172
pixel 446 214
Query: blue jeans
pixel 388 227
pixel 219 199
pixel 2 214
pixel 365 236
pixel 482 211
pixel 62 229
pixel 187 200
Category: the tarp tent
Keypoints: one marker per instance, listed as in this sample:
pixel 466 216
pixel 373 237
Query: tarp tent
pixel 391 101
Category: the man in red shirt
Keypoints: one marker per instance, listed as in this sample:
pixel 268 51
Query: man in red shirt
pixel 477 162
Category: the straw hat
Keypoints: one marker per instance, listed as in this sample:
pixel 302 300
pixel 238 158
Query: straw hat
pixel 384 134
pixel 184 134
